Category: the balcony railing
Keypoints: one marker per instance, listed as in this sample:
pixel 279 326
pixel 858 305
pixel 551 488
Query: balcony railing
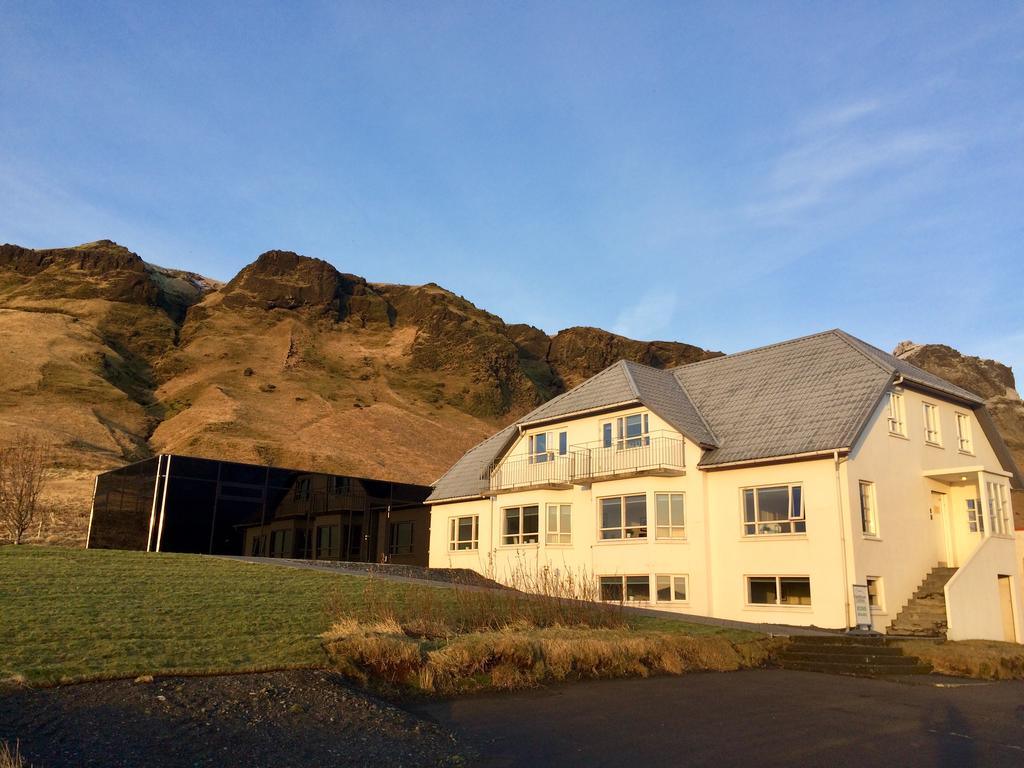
pixel 548 470
pixel 656 453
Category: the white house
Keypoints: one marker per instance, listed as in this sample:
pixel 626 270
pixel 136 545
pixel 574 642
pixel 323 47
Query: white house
pixel 758 486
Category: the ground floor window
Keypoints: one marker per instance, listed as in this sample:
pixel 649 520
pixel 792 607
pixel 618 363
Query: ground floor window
pixel 671 588
pixel 624 517
pixel 463 533
pixel 618 589
pixel 280 544
pixel 559 524
pixel 998 509
pixel 975 519
pixel 400 538
pixel 522 525
pixel 328 542
pixel 779 590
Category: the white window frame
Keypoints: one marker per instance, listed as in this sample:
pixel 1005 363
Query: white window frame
pixel 878 606
pixel 975 516
pixel 897 418
pixel 795 519
pixel 964 436
pixel 559 534
pixel 998 508
pixel 454 543
pixel 869 510
pixel 673 580
pixel 932 424
pixel 778 591
pixel 670 531
pixel 624 582
pixel 614 432
pixel 623 527
pixel 519 539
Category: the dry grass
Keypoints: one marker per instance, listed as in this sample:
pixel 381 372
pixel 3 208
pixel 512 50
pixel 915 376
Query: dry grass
pixel 983 659
pixel 11 759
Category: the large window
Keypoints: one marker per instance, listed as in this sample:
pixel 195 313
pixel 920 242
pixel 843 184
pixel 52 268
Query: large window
pixel 559 530
pixel 522 525
pixel 670 516
pixel 897 415
pixel 619 589
pixel 975 517
pixel 868 511
pixel 543 446
pixel 771 510
pixel 670 588
pixel 400 538
pixel 932 430
pixel 779 590
pixel 964 442
pixel 624 517
pixel 463 533
pixel 998 509
pixel 626 432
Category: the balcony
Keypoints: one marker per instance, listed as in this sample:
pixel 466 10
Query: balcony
pixel 547 471
pixel 658 453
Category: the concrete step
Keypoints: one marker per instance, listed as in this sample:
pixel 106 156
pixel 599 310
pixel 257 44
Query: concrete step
pixel 862 670
pixel 842 650
pixel 888 660
pixel 839 639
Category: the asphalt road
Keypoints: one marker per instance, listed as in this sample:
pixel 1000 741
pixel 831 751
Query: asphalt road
pixel 757 718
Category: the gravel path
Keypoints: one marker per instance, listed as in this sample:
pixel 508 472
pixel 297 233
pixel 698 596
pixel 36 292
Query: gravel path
pixel 300 718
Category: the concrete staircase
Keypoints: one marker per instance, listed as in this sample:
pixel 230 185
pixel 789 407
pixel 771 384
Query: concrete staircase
pixel 865 656
pixel 925 613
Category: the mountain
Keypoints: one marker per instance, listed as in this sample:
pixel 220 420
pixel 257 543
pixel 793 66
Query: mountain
pixel 292 362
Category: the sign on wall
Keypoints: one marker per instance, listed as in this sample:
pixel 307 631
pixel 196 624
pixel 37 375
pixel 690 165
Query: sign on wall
pixel 862 606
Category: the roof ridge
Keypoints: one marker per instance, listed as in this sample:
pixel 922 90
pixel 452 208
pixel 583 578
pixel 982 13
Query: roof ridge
pixel 629 378
pixel 617 364
pixel 732 355
pixel 696 408
pixel 849 339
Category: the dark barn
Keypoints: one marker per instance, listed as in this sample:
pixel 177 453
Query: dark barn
pixel 176 503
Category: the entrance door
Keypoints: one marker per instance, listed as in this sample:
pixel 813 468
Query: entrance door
pixel 1006 605
pixel 940 526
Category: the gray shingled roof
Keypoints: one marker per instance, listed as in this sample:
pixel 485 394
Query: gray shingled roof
pixel 801 396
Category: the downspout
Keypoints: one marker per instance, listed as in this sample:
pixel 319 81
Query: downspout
pixel 842 538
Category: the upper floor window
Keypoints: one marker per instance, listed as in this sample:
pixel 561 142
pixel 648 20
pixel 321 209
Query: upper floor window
pixel 463 532
pixel 559 524
pixel 624 517
pixel 544 445
pixel 897 415
pixel 522 525
pixel 963 433
pixel 302 488
pixel 773 510
pixel 932 432
pixel 341 485
pixel 671 516
pixel 868 513
pixel 631 431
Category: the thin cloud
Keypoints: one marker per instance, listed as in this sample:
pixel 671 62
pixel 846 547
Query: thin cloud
pixel 649 316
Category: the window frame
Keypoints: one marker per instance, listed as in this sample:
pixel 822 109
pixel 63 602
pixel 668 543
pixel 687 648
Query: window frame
pixel 615 432
pixel 870 512
pixel 394 547
pixel 556 443
pixel 999 523
pixel 519 538
pixel 622 527
pixel 964 433
pixel 623 580
pixel 672 577
pixel 670 526
pixel 897 417
pixel 793 521
pixel 975 516
pixel 778 591
pixel 453 530
pixel 878 606
pixel 564 535
pixel 935 427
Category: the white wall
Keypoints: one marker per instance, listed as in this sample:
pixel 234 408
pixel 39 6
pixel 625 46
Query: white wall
pixel 973 603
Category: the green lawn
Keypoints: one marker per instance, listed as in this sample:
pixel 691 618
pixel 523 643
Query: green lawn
pixel 68 614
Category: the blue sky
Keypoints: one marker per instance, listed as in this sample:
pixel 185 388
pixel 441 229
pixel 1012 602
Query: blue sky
pixel 722 174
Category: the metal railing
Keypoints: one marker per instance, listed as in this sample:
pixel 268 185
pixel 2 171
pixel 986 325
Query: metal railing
pixel 655 451
pixel 547 469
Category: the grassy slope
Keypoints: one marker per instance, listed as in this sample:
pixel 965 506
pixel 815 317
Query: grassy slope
pixel 68 615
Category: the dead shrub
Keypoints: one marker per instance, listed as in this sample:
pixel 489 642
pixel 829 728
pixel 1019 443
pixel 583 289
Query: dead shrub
pixel 982 659
pixel 9 759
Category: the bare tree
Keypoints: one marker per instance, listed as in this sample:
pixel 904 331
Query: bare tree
pixel 24 471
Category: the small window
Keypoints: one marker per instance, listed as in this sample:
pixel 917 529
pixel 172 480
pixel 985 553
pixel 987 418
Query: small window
pixel 932 431
pixel 563 443
pixel 624 517
pixel 868 513
pixel 779 590
pixel 897 417
pixel 522 525
pixel 538 447
pixel 671 517
pixel 617 589
pixel 998 509
pixel 559 529
pixel 963 433
pixel 463 533
pixel 975 519
pixel 670 588
pixel 773 510
pixel 302 488
pixel 875 592
pixel 341 485
pixel 400 538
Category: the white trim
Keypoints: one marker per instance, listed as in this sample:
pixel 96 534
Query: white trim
pixel 163 502
pixel 152 512
pixel 92 509
pixel 780 459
